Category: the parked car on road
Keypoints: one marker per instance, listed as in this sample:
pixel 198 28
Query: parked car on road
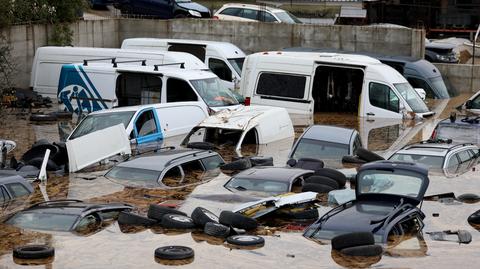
pixel 326 142
pixel 440 52
pixel 452 158
pixel 460 129
pixel 246 12
pixel 164 9
pixel 67 216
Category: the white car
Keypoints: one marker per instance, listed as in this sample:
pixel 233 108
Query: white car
pixel 244 12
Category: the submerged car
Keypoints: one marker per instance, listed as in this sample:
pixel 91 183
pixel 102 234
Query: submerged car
pixel 452 159
pixel 260 13
pixel 387 195
pixel 66 216
pixel 326 142
pixel 460 129
pixel 175 165
pixel 12 187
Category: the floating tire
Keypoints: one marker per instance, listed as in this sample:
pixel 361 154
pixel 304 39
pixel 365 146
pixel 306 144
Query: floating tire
pixel 363 251
pixel 38 151
pixel 468 198
pixel 240 164
pixel 368 155
pixel 157 212
pixel 333 174
pixel 237 220
pixel 261 161
pixel 33 252
pixel 216 229
pixel 175 221
pixel 43 117
pixel 37 162
pixel 129 218
pixel 323 180
pixel 318 188
pixel 201 216
pixel 174 253
pixel 63 114
pixel 246 240
pixel 352 159
pixel 352 240
pixel 474 218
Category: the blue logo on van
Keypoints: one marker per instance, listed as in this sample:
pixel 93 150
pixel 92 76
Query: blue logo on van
pixel 77 92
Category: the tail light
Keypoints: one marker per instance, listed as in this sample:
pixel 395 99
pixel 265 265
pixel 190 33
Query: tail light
pixel 215 17
pixel 247 101
pixel 434 134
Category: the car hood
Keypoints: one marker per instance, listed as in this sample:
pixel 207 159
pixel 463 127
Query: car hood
pixel 193 6
pixel 439 45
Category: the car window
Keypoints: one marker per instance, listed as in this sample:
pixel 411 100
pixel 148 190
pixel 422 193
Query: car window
pixel 109 214
pixel 3 195
pixel 420 83
pixel 231 11
pixel 357 144
pixel 146 124
pixel 466 159
pixel 179 91
pixel 220 68
pixel 249 14
pixel 311 148
pixel 382 96
pixel 138 89
pixel 476 102
pixel 434 162
pixel 96 122
pixel 17 189
pixel 259 185
pixel 87 224
pixel 283 85
pixel 453 164
pixel 134 175
pixel 43 221
pixel 212 162
pixel 266 17
pixel 404 183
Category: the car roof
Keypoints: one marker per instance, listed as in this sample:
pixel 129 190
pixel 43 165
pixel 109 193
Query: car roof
pixel 431 149
pixel 329 133
pixel 142 107
pixel 160 160
pixel 282 174
pixel 70 207
pixel 459 122
pixel 12 179
pixel 256 7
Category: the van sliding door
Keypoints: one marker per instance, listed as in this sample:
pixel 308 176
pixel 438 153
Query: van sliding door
pixel 138 89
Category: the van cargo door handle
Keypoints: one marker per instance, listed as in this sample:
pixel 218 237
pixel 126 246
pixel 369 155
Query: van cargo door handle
pixel 370 114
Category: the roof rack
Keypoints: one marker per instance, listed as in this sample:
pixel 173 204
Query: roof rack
pixel 115 63
pixel 182 65
pixel 85 62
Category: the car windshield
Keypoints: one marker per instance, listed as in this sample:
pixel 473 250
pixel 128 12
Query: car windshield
pixel 396 182
pixel 287 17
pixel 136 176
pixel 458 133
pixel 311 148
pixel 260 185
pixel 434 162
pixel 237 64
pixel 96 122
pixel 43 221
pixel 214 92
pixel 440 87
pixel 183 1
pixel 412 97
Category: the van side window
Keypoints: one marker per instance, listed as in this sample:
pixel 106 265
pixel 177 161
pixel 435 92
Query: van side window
pixel 420 83
pixel 383 97
pixel 179 91
pixel 146 124
pixel 281 85
pixel 138 89
pixel 231 11
pixel 197 50
pixel 220 68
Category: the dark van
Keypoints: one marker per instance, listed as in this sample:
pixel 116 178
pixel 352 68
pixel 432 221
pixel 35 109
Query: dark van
pixel 164 9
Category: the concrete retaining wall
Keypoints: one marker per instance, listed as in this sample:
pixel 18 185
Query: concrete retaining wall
pixel 249 36
pixel 464 77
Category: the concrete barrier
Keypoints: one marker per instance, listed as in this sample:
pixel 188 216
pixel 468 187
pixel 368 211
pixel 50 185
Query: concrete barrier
pixel 464 77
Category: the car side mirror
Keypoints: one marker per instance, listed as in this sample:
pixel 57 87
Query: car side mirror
pixel 421 92
pixel 468 104
pixel 291 162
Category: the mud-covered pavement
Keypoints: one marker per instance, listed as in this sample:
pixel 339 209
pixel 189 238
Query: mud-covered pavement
pixel 113 246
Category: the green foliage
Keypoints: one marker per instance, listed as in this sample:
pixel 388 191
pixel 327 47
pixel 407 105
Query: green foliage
pixel 61 36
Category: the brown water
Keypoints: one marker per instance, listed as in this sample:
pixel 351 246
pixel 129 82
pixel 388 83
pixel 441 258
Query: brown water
pixel 118 247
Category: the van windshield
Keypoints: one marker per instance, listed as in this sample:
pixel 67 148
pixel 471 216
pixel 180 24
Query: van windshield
pixel 237 64
pixel 412 98
pixel 214 92
pixel 96 122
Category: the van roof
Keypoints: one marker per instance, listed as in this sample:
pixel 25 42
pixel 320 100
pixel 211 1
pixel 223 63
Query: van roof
pixel 322 56
pixel 228 50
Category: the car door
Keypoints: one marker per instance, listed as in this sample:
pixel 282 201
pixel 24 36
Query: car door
pixel 146 127
pixel 380 101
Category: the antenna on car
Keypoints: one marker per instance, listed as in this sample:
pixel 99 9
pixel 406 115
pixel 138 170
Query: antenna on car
pixel 182 65
pixel 85 62
pixel 115 63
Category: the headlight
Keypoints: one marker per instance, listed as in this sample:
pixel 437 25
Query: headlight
pixel 195 13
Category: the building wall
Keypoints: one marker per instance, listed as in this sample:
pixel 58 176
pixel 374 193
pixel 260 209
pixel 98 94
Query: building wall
pixel 464 77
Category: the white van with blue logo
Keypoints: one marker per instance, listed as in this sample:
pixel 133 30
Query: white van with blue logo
pixel 93 86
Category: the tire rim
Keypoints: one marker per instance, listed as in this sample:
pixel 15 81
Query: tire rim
pixel 180 218
pixel 246 238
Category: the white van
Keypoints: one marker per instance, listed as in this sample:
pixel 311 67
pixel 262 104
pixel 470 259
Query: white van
pixel 49 60
pixel 305 83
pixel 94 86
pixel 223 58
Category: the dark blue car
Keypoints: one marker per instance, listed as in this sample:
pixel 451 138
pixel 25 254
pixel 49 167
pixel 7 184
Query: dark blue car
pixel 164 9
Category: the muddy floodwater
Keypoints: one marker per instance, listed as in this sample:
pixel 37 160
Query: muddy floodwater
pixel 114 246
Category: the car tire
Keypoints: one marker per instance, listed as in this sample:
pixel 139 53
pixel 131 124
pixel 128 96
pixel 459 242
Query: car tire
pixel 39 151
pixel 468 198
pixel 323 180
pixel 311 213
pixel 202 145
pixel 216 229
pixel 237 220
pixel 129 218
pixel 176 221
pixel 368 155
pixel 363 251
pixel 174 253
pixel 474 218
pixel 352 159
pixel 352 240
pixel 157 212
pixel 333 174
pixel 246 240
pixel 33 252
pixel 43 117
pixel 201 216
pixel 37 162
pixel 261 161
pixel 241 164
pixel 318 188
pixel 63 114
